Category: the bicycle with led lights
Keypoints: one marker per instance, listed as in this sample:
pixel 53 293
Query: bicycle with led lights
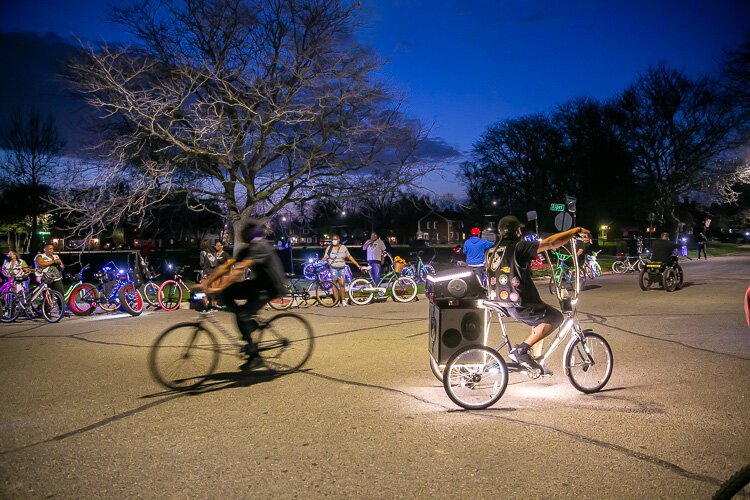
pixel 476 376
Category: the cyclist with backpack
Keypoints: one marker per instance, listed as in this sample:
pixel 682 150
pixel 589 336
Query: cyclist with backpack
pixel 510 283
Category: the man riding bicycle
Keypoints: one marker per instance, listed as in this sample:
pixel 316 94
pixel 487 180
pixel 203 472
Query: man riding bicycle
pixel 256 255
pixel 510 282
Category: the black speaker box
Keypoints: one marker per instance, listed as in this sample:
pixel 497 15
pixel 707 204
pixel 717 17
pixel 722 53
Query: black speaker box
pixel 452 328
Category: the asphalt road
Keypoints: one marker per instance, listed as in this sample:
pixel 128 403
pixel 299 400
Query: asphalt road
pixel 81 418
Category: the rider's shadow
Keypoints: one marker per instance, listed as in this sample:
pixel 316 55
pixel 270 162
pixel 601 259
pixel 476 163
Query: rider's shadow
pixel 225 380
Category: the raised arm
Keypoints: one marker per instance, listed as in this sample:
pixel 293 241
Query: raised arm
pixel 559 239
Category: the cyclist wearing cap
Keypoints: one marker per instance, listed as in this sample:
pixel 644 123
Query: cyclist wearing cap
pixel 254 255
pixel 474 249
pixel 541 317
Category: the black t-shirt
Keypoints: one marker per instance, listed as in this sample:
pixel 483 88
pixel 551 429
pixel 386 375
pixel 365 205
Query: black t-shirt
pixel 267 271
pixel 661 250
pixel 222 257
pixel 526 251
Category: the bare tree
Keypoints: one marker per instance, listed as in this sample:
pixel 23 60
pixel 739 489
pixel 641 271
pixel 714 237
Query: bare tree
pixel 256 104
pixel 674 127
pixel 32 146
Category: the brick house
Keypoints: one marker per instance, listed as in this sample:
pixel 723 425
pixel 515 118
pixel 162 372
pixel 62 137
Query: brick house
pixel 438 227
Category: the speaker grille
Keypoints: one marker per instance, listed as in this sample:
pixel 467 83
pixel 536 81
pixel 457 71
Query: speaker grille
pixel 471 326
pixel 451 338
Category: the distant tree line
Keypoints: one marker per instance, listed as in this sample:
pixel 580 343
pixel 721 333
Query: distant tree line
pixel 666 143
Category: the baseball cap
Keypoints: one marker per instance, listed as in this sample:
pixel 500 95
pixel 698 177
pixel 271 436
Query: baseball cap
pixel 475 231
pixel 508 225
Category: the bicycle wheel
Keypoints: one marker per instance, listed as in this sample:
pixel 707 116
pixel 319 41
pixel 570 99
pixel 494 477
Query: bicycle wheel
pixel 427 270
pixel 436 369
pixel 183 356
pixel 588 364
pixel 589 271
pixel 283 302
pixel 644 281
pixel 130 299
pixel 641 265
pixel 83 299
pixel 680 276
pixel 170 295
pixel 737 486
pixel 286 342
pixel 53 306
pixel 475 377
pixel 618 267
pixel 360 291
pixel 597 270
pixel 11 307
pixel 150 293
pixel 327 293
pixel 403 289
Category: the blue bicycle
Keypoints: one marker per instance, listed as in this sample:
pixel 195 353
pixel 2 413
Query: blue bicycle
pixel 116 289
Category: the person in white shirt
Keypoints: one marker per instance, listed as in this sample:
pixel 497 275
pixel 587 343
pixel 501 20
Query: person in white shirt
pixel 49 266
pixel 375 254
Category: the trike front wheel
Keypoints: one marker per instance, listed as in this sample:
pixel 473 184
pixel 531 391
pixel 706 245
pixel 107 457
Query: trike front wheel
pixel 183 356
pixel 588 363
pixel 475 377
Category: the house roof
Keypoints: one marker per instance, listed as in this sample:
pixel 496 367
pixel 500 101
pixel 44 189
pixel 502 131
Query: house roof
pixel 445 215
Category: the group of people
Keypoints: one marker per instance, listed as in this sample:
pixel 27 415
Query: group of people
pixel 47 264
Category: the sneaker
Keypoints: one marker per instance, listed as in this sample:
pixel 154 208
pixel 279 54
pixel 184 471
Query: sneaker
pixel 253 361
pixel 524 358
pixel 344 303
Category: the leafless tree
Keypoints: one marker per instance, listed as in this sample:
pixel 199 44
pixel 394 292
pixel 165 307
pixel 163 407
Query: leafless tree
pixel 675 127
pixel 31 145
pixel 256 104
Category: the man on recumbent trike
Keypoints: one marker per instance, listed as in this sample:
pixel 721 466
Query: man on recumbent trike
pixel 663 269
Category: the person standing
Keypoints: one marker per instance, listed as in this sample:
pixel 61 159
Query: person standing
pixel 701 239
pixel 474 248
pixel 207 260
pixel 49 268
pixel 336 255
pixel 15 268
pixel 221 255
pixel 375 254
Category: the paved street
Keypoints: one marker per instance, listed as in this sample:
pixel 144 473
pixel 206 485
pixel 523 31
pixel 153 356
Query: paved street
pixel 81 418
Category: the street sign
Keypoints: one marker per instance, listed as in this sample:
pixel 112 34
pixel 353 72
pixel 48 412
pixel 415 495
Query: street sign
pixel 557 207
pixel 571 203
pixel 563 221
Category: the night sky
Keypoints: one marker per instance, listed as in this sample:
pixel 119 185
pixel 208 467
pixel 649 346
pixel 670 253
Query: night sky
pixel 463 65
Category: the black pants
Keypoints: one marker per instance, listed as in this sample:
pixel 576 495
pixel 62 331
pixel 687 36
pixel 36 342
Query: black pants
pixel 245 299
pixel 57 285
pixel 702 248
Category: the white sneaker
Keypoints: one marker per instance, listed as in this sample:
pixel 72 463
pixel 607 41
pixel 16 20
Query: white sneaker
pixel 344 303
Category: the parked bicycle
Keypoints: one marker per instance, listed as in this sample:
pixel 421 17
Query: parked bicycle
pixel 418 270
pixel 186 354
pixel 401 288
pixel 171 291
pixel 303 293
pixel 563 274
pixel 629 264
pixel 115 290
pixel 591 266
pixel 38 301
pixel 71 298
pixel 476 376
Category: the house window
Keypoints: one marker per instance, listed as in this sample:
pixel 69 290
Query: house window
pixel 426 236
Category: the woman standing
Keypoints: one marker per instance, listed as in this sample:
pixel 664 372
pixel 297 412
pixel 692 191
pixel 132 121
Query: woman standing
pixel 15 267
pixel 336 255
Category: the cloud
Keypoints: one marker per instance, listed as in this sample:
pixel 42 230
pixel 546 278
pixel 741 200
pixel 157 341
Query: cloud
pixel 435 149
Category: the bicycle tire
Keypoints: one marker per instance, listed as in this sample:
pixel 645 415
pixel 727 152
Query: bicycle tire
pixel 575 361
pixel 618 267
pixel 183 356
pixel 597 270
pixel 669 279
pixel 83 299
pixel 644 280
pixel 150 293
pixel 359 293
pixel 427 270
pixel 475 377
pixel 407 289
pixel 286 342
pixel 53 306
pixel 641 265
pixel 282 303
pixel 327 293
pixel 170 295
pixel 680 276
pixel 735 484
pixel 11 307
pixel 436 369
pixel 130 299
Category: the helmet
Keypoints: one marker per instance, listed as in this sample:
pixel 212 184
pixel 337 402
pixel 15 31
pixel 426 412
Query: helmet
pixel 508 226
pixel 475 231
